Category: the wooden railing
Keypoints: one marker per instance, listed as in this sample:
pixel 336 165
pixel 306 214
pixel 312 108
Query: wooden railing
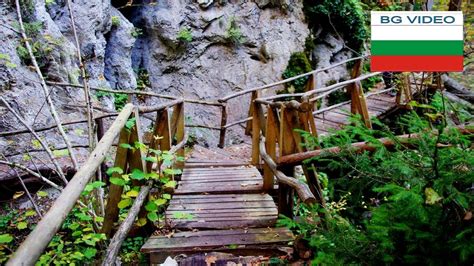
pixel 32 247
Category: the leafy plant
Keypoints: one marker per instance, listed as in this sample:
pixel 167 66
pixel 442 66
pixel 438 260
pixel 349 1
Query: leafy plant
pixel 233 33
pixel 345 17
pixel 136 32
pixel 185 35
pixel 297 65
pixel 115 21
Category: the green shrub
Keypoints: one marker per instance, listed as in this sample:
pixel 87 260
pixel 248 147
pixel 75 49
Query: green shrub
pixel 399 205
pixel 185 35
pixel 136 32
pixel 297 65
pixel 345 17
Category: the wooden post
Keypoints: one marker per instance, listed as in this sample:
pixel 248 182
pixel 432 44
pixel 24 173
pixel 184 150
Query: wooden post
pixel 115 192
pixel 161 137
pixel 32 247
pixel 287 146
pixel 223 124
pixel 255 136
pixel 271 137
pixel 248 128
pixel 177 130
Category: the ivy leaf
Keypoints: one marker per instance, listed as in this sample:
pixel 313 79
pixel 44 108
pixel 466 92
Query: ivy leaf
pixel 137 174
pixel 151 159
pixel 151 206
pixel 5 238
pixel 152 216
pixel 116 169
pixel 117 181
pixel 172 171
pixel 167 196
pixel 22 225
pixel 132 194
pixel 124 203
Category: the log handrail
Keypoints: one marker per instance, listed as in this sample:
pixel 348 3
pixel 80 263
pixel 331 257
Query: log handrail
pixel 300 187
pixel 32 247
pixel 297 158
pixel 240 93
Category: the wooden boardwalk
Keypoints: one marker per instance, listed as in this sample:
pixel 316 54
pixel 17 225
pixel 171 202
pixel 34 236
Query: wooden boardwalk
pixel 219 206
pixel 377 105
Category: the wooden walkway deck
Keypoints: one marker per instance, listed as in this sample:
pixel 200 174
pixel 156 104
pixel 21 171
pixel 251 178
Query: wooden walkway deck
pixel 219 206
pixel 378 105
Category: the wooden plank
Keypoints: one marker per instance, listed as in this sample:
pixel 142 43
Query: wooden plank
pixel 218 238
pixel 236 196
pixel 257 222
pixel 214 165
pixel 222 205
pixel 255 135
pixel 225 211
pixel 234 188
pixel 271 136
pixel 223 180
pixel 241 214
pixel 241 198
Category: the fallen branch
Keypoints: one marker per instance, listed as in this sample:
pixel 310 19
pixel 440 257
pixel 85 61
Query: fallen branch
pixel 31 172
pixel 44 86
pixel 301 188
pixel 42 143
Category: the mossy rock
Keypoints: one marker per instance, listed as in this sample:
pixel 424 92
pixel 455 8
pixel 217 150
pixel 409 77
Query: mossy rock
pixel 297 65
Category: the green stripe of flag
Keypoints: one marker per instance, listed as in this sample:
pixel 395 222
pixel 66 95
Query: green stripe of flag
pixel 427 47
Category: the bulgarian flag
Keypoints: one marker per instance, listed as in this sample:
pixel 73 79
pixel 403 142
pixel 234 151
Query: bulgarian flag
pixel 416 41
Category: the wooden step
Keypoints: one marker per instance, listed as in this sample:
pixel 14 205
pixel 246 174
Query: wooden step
pixel 192 163
pixel 236 241
pixel 221 211
pixel 222 180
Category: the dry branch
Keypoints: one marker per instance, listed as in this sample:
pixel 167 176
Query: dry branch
pixel 87 94
pixel 44 86
pixel 42 143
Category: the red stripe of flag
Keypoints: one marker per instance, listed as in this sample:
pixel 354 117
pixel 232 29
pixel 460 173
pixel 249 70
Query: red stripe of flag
pixel 417 63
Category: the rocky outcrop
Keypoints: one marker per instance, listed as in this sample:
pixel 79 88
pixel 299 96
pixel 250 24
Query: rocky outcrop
pixel 234 46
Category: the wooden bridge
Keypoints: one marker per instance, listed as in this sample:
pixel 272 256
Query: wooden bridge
pixel 221 205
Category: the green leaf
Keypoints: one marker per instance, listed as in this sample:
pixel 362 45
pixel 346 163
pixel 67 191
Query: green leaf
pixel 137 174
pixel 42 193
pixel 5 238
pixel 152 175
pixel 60 153
pixel 127 146
pixel 167 196
pixel 116 169
pixel 152 216
pixel 432 196
pixel 30 213
pixel 160 202
pixel 172 171
pixel 90 253
pixel 183 215
pixel 117 181
pixel 130 123
pixel 124 203
pixel 22 225
pixel 151 159
pixel 151 206
pixel 171 184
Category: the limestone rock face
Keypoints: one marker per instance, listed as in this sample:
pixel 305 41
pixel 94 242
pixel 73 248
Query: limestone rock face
pixel 234 47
